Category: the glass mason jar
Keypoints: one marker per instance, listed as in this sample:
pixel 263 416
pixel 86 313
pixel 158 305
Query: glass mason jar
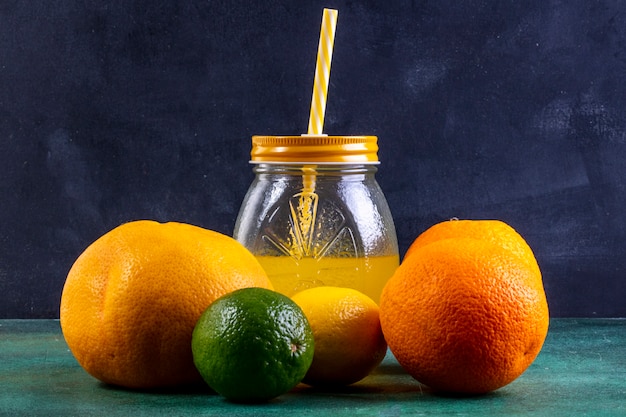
pixel 315 215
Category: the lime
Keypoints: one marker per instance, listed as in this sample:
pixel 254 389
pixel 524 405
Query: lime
pixel 252 345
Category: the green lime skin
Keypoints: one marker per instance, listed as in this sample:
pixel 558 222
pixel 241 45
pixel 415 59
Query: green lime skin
pixel 252 345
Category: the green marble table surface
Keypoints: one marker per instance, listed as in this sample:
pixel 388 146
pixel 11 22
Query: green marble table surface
pixel 581 371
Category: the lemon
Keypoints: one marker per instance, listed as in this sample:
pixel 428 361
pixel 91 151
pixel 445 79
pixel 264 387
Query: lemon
pixel 252 345
pixel 349 342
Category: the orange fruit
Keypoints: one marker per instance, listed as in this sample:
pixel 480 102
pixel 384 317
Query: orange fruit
pixel 132 298
pixel 349 342
pixel 465 315
pixel 252 345
pixel 494 231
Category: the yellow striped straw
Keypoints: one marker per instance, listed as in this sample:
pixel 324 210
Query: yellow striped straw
pixel 322 71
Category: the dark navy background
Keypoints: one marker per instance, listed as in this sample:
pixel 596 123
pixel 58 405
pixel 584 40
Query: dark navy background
pixel 112 111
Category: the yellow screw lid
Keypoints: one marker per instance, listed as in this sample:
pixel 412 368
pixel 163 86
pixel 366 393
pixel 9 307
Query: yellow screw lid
pixel 316 149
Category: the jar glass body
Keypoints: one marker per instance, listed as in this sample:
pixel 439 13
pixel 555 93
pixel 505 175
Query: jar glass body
pixel 314 225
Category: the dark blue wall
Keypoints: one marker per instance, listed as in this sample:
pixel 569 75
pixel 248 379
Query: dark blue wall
pixel 117 110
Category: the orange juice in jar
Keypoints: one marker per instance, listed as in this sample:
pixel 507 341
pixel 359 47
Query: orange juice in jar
pixel 315 214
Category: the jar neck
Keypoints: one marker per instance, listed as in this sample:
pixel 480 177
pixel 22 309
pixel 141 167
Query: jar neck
pixel 320 170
